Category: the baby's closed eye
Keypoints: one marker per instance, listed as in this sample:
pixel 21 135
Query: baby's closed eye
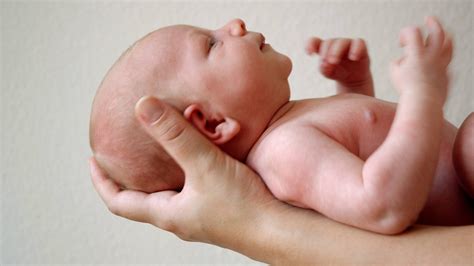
pixel 213 43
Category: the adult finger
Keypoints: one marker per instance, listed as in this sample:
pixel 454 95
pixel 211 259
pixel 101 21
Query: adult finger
pixel 191 150
pixel 130 204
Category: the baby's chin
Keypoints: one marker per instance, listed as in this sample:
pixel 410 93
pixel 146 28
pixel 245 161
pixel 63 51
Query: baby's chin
pixel 286 61
pixel 281 61
pixel 290 65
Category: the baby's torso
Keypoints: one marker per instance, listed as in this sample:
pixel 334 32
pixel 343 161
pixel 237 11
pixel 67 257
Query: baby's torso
pixel 357 122
pixel 360 124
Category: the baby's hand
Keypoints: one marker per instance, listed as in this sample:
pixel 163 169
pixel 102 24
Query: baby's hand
pixel 343 60
pixel 423 66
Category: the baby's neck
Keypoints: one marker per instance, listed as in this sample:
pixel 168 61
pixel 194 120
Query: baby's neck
pixel 281 112
pixel 240 147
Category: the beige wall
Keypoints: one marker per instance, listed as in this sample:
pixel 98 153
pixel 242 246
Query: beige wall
pixel 53 56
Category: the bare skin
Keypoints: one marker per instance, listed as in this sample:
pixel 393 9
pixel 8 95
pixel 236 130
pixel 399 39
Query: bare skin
pixel 252 222
pixel 363 161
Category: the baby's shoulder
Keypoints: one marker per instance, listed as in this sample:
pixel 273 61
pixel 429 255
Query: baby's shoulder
pixel 277 152
pixel 284 140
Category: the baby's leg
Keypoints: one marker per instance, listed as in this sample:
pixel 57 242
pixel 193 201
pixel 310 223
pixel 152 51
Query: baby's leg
pixel 463 154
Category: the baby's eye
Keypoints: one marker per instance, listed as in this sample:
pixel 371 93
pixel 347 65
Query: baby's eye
pixel 212 43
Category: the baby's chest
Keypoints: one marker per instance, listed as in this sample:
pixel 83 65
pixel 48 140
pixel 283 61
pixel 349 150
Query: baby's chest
pixel 359 124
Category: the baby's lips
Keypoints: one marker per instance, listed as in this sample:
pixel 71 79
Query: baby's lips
pixel 262 41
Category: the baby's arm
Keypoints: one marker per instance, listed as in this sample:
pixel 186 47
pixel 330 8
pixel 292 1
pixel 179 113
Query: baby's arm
pixel 404 165
pixel 346 61
pixel 386 192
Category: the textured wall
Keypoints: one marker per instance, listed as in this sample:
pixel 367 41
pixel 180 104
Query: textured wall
pixel 53 56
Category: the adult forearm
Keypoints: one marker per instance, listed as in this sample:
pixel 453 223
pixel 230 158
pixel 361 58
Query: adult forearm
pixel 291 236
pixel 303 237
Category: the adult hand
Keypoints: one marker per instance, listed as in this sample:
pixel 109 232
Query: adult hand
pixel 221 197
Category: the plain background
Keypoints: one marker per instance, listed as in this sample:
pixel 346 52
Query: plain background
pixel 54 55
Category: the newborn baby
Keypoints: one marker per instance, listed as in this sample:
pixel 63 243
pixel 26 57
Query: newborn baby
pixel 354 158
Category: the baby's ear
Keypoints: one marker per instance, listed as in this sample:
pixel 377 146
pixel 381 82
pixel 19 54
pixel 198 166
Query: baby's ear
pixel 218 131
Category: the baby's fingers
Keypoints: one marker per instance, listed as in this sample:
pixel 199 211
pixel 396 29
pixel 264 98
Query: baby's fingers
pixel 313 45
pixel 412 40
pixel 436 36
pixel 358 50
pixel 324 48
pixel 337 50
pixel 447 52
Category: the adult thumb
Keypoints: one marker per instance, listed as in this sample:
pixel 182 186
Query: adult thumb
pixel 191 150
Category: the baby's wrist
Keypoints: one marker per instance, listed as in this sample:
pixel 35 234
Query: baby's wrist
pixel 425 96
pixel 364 86
pixel 367 80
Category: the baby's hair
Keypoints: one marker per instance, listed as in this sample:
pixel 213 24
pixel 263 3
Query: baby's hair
pixel 92 125
pixel 120 145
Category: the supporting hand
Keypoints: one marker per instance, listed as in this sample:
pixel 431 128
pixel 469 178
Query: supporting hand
pixel 221 197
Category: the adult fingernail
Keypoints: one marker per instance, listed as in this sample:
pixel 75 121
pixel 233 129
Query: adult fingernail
pixel 149 109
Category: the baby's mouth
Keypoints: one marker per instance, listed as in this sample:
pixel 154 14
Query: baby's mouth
pixel 262 41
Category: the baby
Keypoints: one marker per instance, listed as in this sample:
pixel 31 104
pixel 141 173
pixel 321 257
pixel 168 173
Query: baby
pixel 359 160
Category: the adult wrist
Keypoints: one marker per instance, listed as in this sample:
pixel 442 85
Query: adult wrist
pixel 258 232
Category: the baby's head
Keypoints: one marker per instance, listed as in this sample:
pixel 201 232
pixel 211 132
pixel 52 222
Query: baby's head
pixel 228 83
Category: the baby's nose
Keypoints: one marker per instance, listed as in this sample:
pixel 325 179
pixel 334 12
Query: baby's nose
pixel 236 27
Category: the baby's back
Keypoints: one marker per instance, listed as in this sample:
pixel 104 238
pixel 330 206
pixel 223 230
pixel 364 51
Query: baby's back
pixel 293 157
